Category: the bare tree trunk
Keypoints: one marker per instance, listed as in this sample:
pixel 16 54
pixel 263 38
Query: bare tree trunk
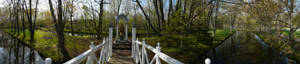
pixel 71 13
pixel 23 20
pixel 100 20
pixel 161 6
pixel 157 14
pixel 17 18
pixel 216 17
pixel 59 26
pixel 158 34
pixel 170 10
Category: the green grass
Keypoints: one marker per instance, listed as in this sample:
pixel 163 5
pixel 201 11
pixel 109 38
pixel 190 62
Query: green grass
pixel 287 32
pixel 243 30
pixel 221 35
pixel 46 43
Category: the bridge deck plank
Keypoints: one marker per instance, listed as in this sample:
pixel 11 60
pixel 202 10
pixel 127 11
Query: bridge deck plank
pixel 121 60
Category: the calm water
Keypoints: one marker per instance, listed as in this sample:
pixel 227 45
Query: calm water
pixel 246 48
pixel 14 52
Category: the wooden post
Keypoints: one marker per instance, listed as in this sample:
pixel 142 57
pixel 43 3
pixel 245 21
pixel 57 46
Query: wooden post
pixel 110 38
pixel 158 48
pixel 48 61
pixel 90 58
pixel 133 40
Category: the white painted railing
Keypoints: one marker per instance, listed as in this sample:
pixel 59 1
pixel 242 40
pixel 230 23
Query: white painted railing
pixel 140 55
pixel 90 54
pixel 106 52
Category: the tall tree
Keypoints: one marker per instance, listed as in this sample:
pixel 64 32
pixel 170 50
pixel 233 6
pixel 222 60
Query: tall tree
pixel 146 16
pixel 290 5
pixel 59 26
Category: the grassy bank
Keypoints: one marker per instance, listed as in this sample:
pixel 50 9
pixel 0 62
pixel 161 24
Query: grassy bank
pixel 221 35
pixel 287 47
pixel 190 50
pixel 104 32
pixel 46 43
pixel 287 32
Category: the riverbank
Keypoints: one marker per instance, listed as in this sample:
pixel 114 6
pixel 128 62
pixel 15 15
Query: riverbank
pixel 292 50
pixel 189 50
pixel 46 43
pixel 221 35
pixel 104 32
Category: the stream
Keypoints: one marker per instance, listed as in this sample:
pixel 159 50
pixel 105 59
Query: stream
pixel 246 48
pixel 14 52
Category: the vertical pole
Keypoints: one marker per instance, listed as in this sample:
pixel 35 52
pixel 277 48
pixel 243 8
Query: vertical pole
pixel 90 58
pixel 143 54
pixel 126 34
pixel 117 29
pixel 110 38
pixel 158 48
pixel 48 61
pixel 133 40
pixel 107 51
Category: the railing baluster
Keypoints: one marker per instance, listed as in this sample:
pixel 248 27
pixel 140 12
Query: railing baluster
pixel 90 58
pixel 143 54
pixel 101 54
pixel 107 51
pixel 157 54
pixel 154 57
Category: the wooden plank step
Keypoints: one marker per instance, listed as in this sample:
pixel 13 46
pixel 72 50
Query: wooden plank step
pixel 121 60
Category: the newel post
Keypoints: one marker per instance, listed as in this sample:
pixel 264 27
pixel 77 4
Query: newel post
pixel 90 58
pixel 207 61
pixel 48 61
pixel 133 40
pixel 158 48
pixel 110 38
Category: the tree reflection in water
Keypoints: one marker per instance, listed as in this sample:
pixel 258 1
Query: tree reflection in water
pixel 246 48
pixel 14 52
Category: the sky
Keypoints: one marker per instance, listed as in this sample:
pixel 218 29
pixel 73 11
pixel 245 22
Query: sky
pixel 43 5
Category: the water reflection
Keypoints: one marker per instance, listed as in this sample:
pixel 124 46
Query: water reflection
pixel 14 52
pixel 246 48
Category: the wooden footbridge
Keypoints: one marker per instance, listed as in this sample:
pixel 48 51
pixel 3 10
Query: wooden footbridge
pixel 138 53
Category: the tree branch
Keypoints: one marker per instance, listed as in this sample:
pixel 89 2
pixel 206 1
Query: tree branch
pixel 199 13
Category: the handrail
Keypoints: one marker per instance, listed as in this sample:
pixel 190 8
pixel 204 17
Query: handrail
pixel 84 55
pixel 159 54
pixel 106 52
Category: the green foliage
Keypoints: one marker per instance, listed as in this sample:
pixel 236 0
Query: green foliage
pixel 296 20
pixel 185 43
